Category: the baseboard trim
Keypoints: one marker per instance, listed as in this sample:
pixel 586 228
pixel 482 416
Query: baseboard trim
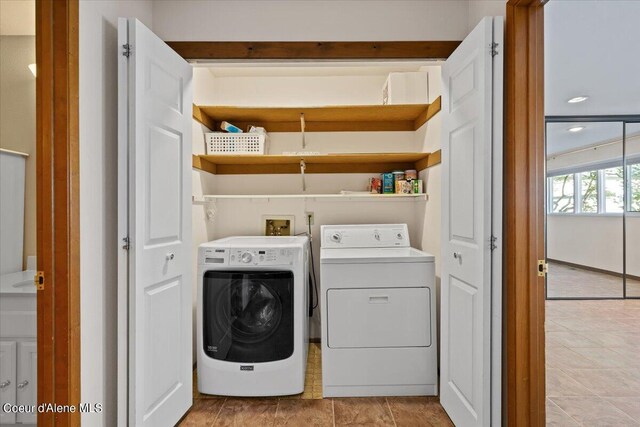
pixel 594 269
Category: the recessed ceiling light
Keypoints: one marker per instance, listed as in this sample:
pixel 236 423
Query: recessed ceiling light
pixel 575 128
pixel 32 67
pixel 577 99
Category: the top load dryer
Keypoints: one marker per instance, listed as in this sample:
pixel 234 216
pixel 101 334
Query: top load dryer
pixel 378 313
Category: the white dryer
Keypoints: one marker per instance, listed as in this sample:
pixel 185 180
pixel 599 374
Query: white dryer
pixel 252 316
pixel 378 313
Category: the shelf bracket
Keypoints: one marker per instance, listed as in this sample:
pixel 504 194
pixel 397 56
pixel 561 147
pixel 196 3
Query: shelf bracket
pixel 303 166
pixel 302 126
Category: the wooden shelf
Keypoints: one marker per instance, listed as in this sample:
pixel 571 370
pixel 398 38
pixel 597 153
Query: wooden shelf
pixel 199 200
pixel 329 163
pixel 348 118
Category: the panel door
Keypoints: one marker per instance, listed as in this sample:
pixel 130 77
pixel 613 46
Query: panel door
pixel 7 380
pixel 155 142
pixel 467 161
pixel 27 379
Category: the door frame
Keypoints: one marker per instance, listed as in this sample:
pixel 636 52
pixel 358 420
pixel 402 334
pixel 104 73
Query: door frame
pixel 524 350
pixel 58 225
pixel 58 209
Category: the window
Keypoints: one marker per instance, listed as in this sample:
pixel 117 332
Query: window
pixel 633 178
pixel 562 192
pixel 613 190
pixel 589 192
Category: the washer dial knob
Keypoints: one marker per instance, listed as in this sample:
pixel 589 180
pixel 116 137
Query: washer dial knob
pixel 336 237
pixel 246 257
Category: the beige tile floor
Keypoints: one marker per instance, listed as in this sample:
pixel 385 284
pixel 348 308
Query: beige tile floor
pixel 310 409
pixel 569 282
pixel 593 362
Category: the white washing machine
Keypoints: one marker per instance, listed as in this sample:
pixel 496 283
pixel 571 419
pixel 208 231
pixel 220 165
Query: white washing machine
pixel 378 313
pixel 252 316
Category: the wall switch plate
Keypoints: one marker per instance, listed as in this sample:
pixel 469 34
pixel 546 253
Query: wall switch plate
pixel 278 225
pixel 309 218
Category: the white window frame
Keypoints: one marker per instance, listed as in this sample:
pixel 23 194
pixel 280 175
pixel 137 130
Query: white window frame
pixel 604 196
pixel 628 189
pixel 577 195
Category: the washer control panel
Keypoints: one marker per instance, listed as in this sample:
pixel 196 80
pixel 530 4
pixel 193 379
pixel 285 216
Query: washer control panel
pixel 365 236
pixel 265 256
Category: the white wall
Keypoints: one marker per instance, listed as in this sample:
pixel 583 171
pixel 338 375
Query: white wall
pixel 594 241
pixel 202 225
pixel 18 120
pixel 324 20
pixel 590 49
pixel 478 9
pixel 98 202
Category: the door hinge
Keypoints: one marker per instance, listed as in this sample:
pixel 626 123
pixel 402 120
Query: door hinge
pixel 126 50
pixel 543 268
pixel 38 280
pixel 492 242
pixel 126 242
pixel 494 48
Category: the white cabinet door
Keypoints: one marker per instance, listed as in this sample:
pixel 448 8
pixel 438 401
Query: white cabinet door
pixel 155 136
pixel 7 380
pixel 469 127
pixel 27 379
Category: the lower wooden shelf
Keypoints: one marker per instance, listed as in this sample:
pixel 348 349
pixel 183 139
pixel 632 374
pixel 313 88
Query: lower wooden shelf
pixel 326 163
pixel 199 200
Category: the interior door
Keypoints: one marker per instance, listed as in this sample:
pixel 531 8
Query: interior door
pixel 471 126
pixel 155 101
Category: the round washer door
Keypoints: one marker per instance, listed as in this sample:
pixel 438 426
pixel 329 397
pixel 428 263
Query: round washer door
pixel 248 315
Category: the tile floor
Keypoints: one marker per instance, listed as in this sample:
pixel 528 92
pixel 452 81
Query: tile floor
pixel 564 281
pixel 593 379
pixel 310 409
pixel 593 363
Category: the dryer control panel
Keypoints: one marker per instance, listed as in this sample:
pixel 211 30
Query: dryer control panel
pixel 365 236
pixel 248 256
pixel 261 257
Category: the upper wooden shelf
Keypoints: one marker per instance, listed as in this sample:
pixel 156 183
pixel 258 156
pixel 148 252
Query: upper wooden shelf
pixel 330 163
pixel 348 118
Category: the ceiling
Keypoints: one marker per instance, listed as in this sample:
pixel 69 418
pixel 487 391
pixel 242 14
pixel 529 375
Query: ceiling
pixel 17 17
pixel 560 140
pixel 592 48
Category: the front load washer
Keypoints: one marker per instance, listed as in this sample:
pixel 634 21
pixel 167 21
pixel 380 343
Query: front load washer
pixel 252 316
pixel 378 313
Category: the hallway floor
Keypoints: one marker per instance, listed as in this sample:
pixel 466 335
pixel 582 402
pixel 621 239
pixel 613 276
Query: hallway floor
pixel 565 281
pixel 593 363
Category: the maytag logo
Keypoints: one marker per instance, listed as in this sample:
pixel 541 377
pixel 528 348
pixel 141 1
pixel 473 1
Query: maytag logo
pixel 246 367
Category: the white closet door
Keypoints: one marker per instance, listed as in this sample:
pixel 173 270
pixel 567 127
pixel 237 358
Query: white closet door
pixel 155 159
pixel 467 160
